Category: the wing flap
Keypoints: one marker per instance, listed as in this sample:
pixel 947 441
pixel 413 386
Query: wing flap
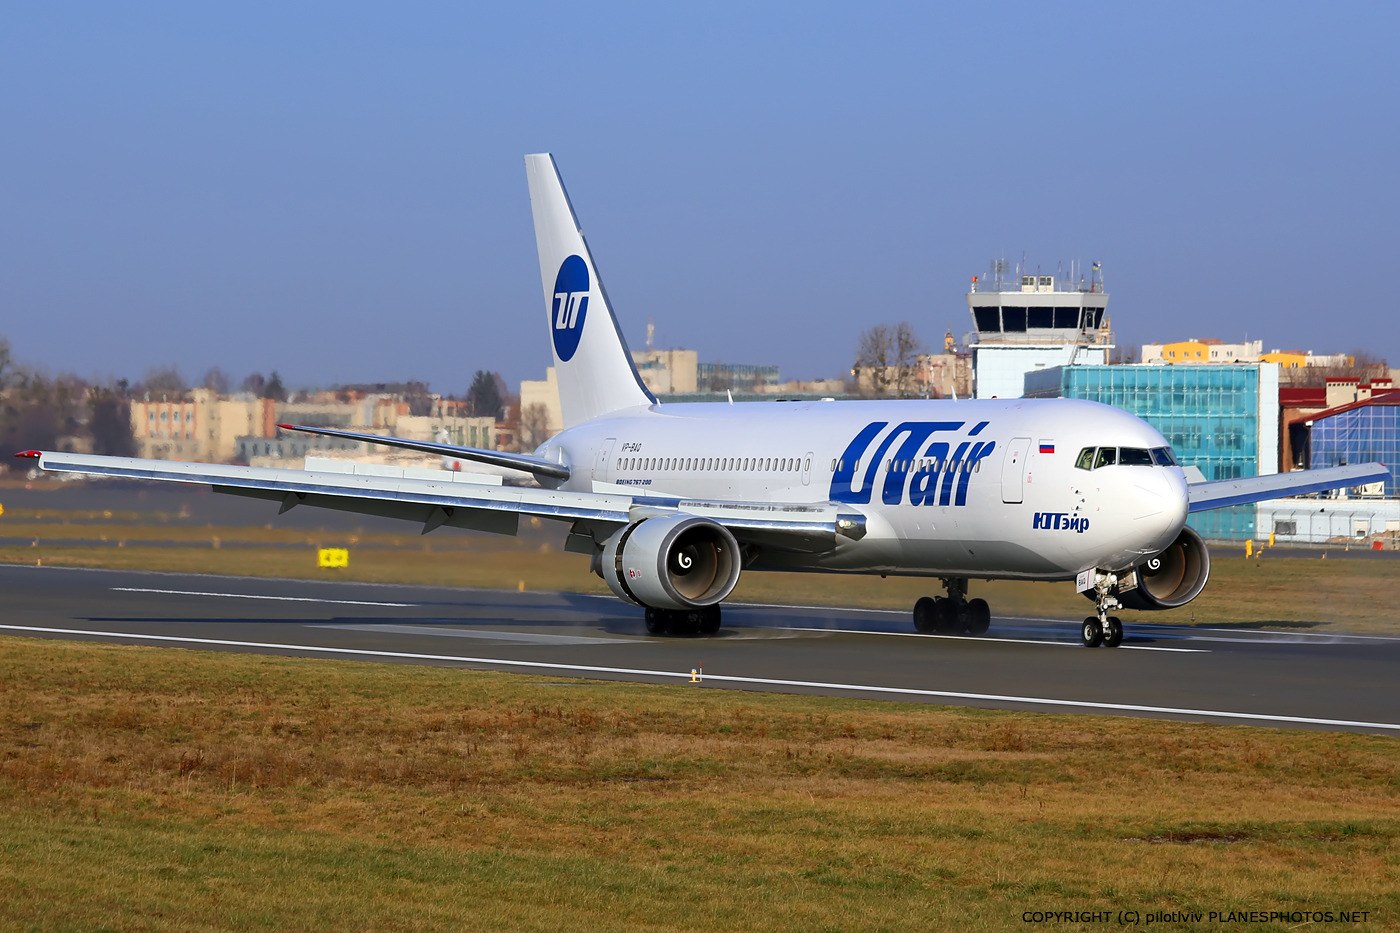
pixel 1226 492
pixel 431 517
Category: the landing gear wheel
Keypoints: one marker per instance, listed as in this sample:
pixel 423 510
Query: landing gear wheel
pixel 1092 632
pixel 926 615
pixel 979 616
pixel 1113 636
pixel 946 619
pixel 709 620
pixel 656 621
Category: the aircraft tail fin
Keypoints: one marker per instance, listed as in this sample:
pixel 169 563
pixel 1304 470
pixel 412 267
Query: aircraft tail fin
pixel 591 360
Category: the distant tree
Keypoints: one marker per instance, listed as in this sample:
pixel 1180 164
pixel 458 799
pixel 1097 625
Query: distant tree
pixel 887 362
pixel 1363 366
pixel 216 381
pixel 534 426
pixel 907 348
pixel 274 388
pixel 165 382
pixel 29 413
pixel 109 423
pixel 254 383
pixel 419 397
pixel 485 397
pixel 5 362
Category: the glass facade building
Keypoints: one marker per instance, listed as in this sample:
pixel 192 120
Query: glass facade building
pixel 1221 419
pixel 1368 432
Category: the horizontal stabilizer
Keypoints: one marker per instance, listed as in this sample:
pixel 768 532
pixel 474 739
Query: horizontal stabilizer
pixel 1226 492
pixel 537 466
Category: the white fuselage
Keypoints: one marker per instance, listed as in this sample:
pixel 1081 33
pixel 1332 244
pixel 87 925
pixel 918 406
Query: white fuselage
pixel 946 488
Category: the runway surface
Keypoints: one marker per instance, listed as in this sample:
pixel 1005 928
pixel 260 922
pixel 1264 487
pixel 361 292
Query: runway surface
pixel 1209 673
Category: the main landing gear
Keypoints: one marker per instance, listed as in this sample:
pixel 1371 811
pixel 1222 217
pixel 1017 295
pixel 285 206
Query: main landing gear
pixel 952 614
pixel 700 621
pixel 1103 629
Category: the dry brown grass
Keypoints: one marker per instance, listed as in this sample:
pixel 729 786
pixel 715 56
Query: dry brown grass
pixel 156 788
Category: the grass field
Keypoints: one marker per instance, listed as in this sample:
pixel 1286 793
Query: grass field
pixel 162 789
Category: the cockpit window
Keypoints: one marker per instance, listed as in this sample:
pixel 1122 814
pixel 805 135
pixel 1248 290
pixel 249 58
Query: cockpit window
pixel 1091 458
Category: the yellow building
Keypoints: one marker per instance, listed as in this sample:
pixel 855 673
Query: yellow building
pixel 1286 359
pixel 1202 351
pixel 1298 359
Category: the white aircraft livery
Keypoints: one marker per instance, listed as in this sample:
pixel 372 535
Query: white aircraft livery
pixel 673 502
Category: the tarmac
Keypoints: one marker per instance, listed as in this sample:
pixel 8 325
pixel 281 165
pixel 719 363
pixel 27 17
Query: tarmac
pixel 1210 673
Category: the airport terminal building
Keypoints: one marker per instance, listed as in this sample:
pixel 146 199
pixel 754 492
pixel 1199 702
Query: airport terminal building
pixel 1221 419
pixel 1225 420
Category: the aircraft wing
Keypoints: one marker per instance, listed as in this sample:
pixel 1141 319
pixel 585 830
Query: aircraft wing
pixel 434 498
pixel 1221 493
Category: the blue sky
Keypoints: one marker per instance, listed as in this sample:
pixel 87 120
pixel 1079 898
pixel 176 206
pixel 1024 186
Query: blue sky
pixel 336 191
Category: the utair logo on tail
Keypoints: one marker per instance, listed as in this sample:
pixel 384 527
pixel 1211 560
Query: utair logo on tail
pixel 570 306
pixel 932 463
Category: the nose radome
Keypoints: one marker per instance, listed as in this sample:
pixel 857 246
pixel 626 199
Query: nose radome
pixel 1152 495
pixel 1161 506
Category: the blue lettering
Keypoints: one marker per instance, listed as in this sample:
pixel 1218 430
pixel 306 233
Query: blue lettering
pixel 979 452
pixel 940 476
pixel 841 480
pixel 896 476
pixel 923 488
pixel 1059 521
pixel 950 476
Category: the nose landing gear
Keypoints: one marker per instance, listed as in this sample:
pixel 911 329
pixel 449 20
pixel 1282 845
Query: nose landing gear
pixel 952 614
pixel 1103 629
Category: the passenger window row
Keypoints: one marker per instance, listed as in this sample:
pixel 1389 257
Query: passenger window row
pixel 920 463
pixel 709 464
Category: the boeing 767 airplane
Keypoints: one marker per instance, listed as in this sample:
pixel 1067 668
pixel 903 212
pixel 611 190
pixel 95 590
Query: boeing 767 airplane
pixel 673 502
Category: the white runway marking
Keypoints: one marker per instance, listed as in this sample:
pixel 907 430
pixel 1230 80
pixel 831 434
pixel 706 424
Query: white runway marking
pixel 722 678
pixel 986 639
pixel 285 599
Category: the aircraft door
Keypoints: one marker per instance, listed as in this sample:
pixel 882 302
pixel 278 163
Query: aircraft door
pixel 1013 470
pixel 807 469
pixel 602 469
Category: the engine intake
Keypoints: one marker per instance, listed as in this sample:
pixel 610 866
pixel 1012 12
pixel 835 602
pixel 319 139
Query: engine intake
pixel 671 563
pixel 1173 578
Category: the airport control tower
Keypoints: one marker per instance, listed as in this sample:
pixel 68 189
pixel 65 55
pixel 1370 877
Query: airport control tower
pixel 1027 321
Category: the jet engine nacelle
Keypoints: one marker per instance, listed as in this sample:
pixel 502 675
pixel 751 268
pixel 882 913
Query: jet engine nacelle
pixel 671 563
pixel 1173 578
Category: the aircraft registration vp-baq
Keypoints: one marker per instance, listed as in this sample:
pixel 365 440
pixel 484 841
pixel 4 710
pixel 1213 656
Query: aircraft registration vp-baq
pixel 673 502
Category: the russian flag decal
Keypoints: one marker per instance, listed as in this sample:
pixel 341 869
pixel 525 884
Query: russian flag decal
pixel 1047 447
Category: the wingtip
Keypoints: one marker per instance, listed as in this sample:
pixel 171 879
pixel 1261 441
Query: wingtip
pixel 29 454
pixel 287 427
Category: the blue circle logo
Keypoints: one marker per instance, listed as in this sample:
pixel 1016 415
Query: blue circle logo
pixel 569 307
